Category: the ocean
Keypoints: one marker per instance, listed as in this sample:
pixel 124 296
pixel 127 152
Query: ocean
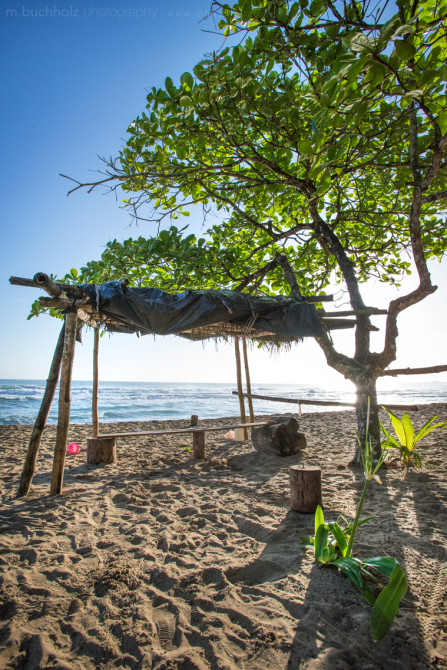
pixel 145 401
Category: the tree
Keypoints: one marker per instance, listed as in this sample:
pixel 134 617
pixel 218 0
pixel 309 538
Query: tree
pixel 319 139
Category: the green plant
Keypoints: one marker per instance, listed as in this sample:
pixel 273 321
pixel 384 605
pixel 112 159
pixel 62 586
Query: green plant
pixel 333 545
pixel 406 438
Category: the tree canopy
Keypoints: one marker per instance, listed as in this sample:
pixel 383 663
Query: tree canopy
pixel 318 138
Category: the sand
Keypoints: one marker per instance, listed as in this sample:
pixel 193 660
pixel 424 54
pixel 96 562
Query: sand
pixel 165 562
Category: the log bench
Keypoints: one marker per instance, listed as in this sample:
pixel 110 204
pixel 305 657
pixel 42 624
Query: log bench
pixel 102 449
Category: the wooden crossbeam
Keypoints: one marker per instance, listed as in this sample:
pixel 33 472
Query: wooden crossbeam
pixel 199 429
pixel 324 403
pixel 69 289
pixel 414 371
pixel 368 311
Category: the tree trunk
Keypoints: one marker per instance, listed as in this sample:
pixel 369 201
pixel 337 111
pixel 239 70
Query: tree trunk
pixel 368 422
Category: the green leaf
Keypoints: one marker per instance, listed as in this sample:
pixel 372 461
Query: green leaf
pixel 427 428
pixel 316 7
pixel 405 51
pixel 293 11
pixel 319 518
pixel 187 80
pixel 339 537
pixel 378 73
pixel 388 29
pixel 305 148
pixel 384 564
pixel 359 42
pixel 409 431
pixel 180 151
pixel 164 235
pixel 169 85
pixel 321 540
pixel 442 120
pixel 387 604
pixel 186 101
pixel 398 427
pixel 246 9
pixel 355 69
pixel 199 71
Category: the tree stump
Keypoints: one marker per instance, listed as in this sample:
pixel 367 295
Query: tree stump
pixel 281 437
pixel 101 450
pixel 305 489
pixel 198 444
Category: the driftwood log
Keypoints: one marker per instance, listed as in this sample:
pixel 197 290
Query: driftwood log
pixel 101 450
pixel 305 489
pixel 281 437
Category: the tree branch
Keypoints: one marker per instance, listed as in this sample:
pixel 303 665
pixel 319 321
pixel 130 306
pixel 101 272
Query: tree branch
pixel 434 197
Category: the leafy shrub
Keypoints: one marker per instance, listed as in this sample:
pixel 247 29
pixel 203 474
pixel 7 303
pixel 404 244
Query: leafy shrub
pixel 406 438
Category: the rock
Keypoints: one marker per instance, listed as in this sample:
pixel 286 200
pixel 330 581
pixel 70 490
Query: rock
pixel 281 438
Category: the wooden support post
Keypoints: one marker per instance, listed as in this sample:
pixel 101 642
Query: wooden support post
pixel 41 419
pixel 239 383
pixel 247 379
pixel 101 450
pixel 305 489
pixel 57 475
pixel 198 444
pixel 194 420
pixel 95 384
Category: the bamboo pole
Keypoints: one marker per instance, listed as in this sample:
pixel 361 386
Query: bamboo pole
pixel 70 289
pixel 64 303
pixel 57 475
pixel 95 384
pixel 48 284
pixel 41 420
pixel 247 379
pixel 237 352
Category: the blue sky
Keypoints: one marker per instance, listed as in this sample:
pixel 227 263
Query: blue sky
pixel 74 75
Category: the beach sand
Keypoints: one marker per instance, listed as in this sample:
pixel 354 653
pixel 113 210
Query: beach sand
pixel 165 562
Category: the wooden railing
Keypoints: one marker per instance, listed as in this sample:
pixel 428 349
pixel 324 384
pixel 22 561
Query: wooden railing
pixel 322 403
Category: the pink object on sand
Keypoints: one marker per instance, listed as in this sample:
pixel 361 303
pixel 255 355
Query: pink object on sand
pixel 73 448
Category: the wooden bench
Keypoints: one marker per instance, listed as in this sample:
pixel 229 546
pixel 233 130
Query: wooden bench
pixel 102 449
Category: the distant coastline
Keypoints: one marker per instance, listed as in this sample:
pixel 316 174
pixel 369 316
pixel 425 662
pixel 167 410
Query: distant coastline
pixel 146 401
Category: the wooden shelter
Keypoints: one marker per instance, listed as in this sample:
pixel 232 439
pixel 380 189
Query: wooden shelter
pixel 79 305
pixel 78 308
